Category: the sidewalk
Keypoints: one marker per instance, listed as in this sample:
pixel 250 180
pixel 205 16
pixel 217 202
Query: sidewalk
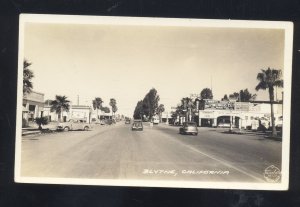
pixel 32 129
pixel 266 134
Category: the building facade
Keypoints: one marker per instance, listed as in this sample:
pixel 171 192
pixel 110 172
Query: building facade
pixel 75 112
pixel 239 114
pixel 101 115
pixel 33 106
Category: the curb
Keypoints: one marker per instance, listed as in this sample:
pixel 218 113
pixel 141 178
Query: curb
pixel 30 133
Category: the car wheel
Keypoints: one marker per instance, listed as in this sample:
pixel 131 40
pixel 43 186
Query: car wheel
pixel 66 129
pixel 86 128
pixel 195 134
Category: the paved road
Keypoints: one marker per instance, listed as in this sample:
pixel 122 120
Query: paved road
pixel 156 153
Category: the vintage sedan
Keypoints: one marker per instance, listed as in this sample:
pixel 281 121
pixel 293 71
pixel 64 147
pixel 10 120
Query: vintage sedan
pixel 189 128
pixel 74 124
pixel 137 126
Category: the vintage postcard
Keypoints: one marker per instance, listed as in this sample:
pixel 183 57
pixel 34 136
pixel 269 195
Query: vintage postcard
pixel 154 102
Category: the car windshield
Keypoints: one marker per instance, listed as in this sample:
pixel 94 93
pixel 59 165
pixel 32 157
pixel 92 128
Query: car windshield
pixel 137 124
pixel 191 124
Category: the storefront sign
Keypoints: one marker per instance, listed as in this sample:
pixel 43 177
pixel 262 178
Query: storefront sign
pixel 221 105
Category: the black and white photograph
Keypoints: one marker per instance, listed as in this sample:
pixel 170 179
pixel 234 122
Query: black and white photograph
pixel 154 102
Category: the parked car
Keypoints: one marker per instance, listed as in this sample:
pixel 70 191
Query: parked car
pixel 155 120
pixel 189 128
pixel 102 122
pixel 137 125
pixel 127 121
pixel 279 123
pixel 108 121
pixel 74 124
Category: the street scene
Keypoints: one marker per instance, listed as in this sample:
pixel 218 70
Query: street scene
pixel 154 103
pixel 157 152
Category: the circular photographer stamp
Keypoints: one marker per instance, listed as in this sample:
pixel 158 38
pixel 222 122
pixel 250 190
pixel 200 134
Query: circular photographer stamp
pixel 272 174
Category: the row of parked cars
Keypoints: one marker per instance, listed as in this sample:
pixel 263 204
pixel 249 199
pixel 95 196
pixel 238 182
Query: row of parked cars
pixel 81 124
pixel 186 128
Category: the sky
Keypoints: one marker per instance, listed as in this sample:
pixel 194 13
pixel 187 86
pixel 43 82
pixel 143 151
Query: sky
pixel 125 62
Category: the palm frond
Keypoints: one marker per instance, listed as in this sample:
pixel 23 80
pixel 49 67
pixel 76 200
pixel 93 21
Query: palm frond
pixel 261 86
pixel 60 104
pixel 269 78
pixel 261 76
pixel 278 83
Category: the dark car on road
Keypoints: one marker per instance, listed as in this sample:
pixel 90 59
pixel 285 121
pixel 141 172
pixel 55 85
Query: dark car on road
pixel 137 125
pixel 189 128
pixel 127 121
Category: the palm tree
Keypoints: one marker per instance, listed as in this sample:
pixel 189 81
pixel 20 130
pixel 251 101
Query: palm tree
pixel 188 106
pixel 268 79
pixel 113 104
pixel 97 104
pixel 160 109
pixel 60 104
pixel 27 76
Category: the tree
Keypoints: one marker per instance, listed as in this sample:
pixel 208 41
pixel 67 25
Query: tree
pixel 105 109
pixel 27 76
pixel 245 96
pixel 97 104
pixel 206 93
pixel 138 111
pixel 188 106
pixel 148 106
pixel 160 109
pixel 115 109
pixel 60 104
pixel 150 103
pixel 225 98
pixel 242 96
pixel 41 121
pixel 234 96
pixel 113 104
pixel 268 79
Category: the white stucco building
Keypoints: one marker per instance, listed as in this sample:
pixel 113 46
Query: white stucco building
pixel 75 112
pixel 33 106
pixel 241 114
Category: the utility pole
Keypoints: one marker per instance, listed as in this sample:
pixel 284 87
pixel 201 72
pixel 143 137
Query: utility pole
pixel 211 83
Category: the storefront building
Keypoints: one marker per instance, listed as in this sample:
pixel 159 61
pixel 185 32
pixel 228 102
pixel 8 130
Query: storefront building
pixel 75 112
pixel 238 114
pixel 101 115
pixel 33 105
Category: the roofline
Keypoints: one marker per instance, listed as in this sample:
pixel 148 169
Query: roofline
pixel 37 92
pixel 73 106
